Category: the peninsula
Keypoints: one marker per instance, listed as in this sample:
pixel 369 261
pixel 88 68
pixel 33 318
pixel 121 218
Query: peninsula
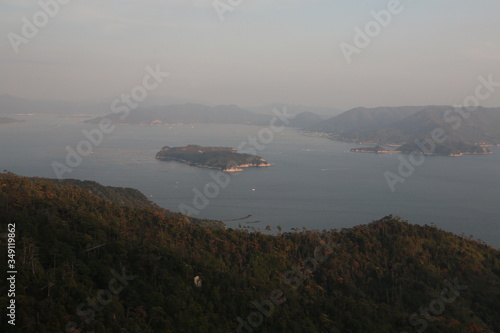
pixel 226 159
pixel 377 150
pixel 453 148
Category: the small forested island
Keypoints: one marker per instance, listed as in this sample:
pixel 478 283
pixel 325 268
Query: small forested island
pixel 226 159
pixel 452 148
pixel 377 150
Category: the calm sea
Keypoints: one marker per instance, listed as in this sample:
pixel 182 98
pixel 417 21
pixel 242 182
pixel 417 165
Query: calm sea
pixel 315 183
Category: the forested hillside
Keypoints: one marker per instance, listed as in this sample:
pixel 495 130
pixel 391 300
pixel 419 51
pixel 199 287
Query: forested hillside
pixel 95 263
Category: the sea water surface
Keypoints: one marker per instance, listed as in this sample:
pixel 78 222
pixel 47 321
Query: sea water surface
pixel 314 183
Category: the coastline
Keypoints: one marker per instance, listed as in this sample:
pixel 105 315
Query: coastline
pixel 234 168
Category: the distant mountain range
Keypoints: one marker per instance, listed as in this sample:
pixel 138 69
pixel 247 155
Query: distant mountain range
pixel 188 114
pixel 8 120
pixel 324 112
pixel 305 119
pixel 361 120
pixel 398 125
pixel 197 113
pixel 152 111
pixel 381 125
pixel 10 105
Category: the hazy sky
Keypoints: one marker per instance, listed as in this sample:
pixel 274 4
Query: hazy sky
pixel 264 51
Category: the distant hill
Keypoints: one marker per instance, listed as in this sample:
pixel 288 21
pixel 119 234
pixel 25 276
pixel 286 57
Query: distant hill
pixel 155 106
pixel 188 114
pixel 87 264
pixel 197 113
pixel 358 121
pixel 294 109
pixel 404 125
pixel 10 105
pixel 305 119
pixel 483 126
pixel 8 120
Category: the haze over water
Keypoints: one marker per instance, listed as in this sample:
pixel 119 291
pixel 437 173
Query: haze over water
pixel 315 183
